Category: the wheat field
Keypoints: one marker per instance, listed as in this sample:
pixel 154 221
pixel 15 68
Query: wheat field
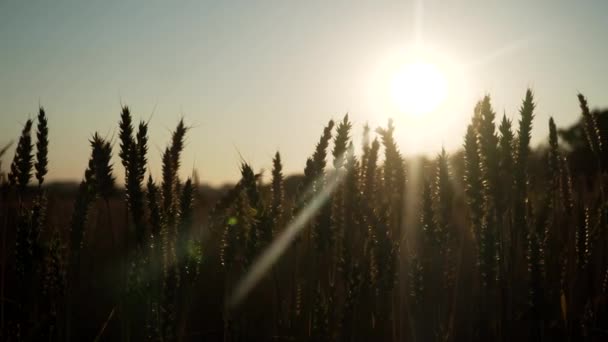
pixel 498 241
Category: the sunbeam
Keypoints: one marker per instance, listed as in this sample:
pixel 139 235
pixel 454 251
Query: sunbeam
pixel 264 261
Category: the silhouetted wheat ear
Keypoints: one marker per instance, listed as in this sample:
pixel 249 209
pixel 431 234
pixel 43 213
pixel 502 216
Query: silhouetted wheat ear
pixel 133 156
pixel 126 136
pixel 320 154
pixel 177 144
pixel 21 168
pixel 128 154
pixel 168 184
pixel 101 158
pixel 42 144
pixel 590 126
pixel 276 210
pixel 341 141
pixel 142 150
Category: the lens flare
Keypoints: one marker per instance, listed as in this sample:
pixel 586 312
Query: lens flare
pixel 272 253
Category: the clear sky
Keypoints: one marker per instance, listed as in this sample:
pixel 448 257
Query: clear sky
pixel 252 77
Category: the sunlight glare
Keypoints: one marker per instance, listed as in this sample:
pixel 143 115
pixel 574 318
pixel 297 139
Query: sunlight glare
pixel 426 90
pixel 418 88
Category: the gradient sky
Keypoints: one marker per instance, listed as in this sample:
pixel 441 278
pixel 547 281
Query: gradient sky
pixel 254 77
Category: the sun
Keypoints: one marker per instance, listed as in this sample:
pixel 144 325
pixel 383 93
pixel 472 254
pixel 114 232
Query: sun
pixel 418 88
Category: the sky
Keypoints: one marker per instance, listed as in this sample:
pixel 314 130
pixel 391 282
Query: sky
pixel 254 77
